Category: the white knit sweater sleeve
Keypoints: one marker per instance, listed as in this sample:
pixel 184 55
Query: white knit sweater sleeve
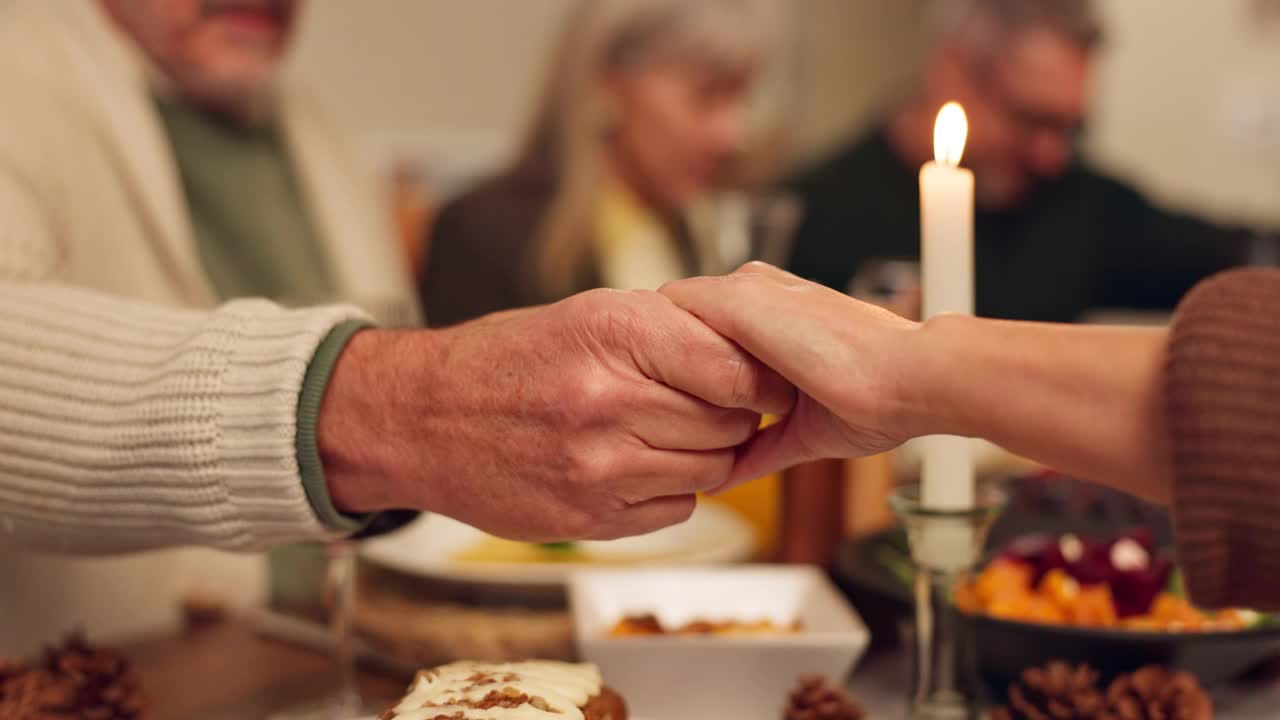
pixel 126 426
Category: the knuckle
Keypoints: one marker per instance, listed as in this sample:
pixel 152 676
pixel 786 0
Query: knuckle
pixel 592 302
pixel 591 472
pixel 671 284
pixel 648 300
pixel 592 393
pixel 739 374
pixel 719 468
pixel 686 509
pixel 625 321
pixel 611 309
pixel 598 398
pixel 711 472
pixel 739 381
pixel 638 314
pixel 679 510
pixel 578 523
pixel 599 317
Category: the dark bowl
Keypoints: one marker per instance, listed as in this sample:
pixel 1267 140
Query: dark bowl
pixel 870 571
pixel 1006 648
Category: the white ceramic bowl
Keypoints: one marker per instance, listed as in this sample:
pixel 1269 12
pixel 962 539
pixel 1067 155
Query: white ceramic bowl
pixel 697 678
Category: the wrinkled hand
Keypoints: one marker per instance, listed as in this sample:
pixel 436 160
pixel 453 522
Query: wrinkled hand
pixel 597 417
pixel 843 356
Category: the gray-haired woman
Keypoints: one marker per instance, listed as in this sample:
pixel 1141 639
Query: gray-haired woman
pixel 645 104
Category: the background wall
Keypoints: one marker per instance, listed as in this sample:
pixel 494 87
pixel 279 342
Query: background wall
pixel 1189 103
pixel 439 65
pixel 470 70
pixel 1184 92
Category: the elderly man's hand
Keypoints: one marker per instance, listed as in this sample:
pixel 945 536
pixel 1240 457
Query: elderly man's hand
pixel 597 417
pixel 844 356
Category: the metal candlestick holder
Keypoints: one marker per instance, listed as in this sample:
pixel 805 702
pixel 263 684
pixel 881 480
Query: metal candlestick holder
pixel 946 545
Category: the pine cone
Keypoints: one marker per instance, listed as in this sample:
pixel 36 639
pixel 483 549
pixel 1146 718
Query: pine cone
pixel 1055 692
pixel 1154 693
pixel 815 699
pixel 73 682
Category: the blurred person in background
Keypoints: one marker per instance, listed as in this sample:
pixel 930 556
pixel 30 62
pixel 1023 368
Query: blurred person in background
pixel 645 106
pixel 1054 237
pixel 149 150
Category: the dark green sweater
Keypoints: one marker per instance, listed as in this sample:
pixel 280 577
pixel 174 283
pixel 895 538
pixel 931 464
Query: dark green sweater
pixel 1081 242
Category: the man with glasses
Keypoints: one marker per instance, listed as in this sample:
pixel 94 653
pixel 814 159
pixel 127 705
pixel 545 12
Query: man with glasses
pixel 1055 238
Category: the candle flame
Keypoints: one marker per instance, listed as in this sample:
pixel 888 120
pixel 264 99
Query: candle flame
pixel 949 134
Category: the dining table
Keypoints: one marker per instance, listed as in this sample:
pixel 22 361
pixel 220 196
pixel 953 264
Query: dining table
pixel 230 670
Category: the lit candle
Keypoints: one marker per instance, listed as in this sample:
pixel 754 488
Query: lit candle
pixel 946 252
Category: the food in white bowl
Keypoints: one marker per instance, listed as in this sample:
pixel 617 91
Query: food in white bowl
pixel 695 677
pixel 648 625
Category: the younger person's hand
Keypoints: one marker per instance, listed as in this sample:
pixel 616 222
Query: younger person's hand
pixel 845 357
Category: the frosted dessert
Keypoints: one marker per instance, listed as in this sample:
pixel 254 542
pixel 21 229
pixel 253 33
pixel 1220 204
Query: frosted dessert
pixel 535 690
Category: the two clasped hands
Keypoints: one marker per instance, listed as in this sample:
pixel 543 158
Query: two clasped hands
pixel 603 415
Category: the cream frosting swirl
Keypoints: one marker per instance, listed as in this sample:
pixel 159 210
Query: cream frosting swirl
pixel 534 690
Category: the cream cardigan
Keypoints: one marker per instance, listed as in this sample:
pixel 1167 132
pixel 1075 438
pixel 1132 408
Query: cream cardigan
pixel 131 424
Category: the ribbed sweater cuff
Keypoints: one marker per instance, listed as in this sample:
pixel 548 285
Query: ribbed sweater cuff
pixel 1223 402
pixel 126 426
pixel 309 400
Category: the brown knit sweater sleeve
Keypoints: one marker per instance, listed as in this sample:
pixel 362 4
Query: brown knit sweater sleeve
pixel 1223 400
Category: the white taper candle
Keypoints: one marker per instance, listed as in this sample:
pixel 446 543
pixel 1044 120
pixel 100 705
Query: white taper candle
pixel 946 252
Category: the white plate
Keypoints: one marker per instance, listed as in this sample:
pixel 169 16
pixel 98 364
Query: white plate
pixel 428 547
